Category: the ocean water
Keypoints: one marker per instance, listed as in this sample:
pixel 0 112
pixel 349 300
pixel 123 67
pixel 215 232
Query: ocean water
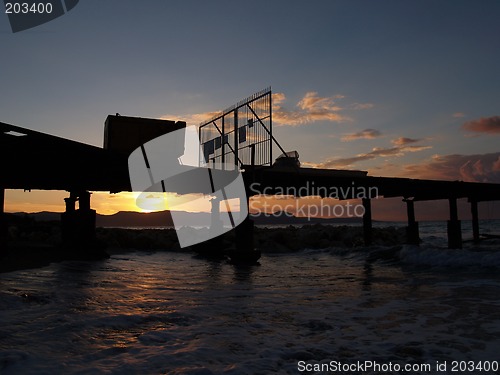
pixel 173 313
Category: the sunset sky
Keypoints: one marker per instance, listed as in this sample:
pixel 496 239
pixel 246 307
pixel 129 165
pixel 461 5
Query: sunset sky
pixel 397 88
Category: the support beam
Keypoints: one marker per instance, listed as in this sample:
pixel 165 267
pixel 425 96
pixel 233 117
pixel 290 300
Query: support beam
pixel 367 221
pixel 252 154
pixel 236 140
pixel 454 226
pixel 222 143
pixel 270 132
pixel 475 220
pixel 412 235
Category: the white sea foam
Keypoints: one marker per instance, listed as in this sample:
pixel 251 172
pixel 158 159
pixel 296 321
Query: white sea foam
pixel 168 312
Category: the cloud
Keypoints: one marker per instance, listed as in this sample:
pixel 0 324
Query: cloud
pixel 278 98
pixel 193 119
pixel 312 102
pixel 375 153
pixel 488 125
pixel 363 134
pixel 458 115
pixel 472 168
pixel 402 141
pixel 309 109
pixel 312 108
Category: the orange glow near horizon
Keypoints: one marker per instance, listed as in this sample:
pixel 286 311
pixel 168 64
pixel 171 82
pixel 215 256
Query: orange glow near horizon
pixel 104 203
pixel 386 209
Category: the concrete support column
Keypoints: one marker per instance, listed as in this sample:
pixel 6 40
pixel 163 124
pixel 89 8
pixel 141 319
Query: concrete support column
pixel 78 226
pixel 454 227
pixel 367 222
pixel 70 204
pixel 245 252
pixel 244 236
pixel 68 220
pixel 475 220
pixel 87 218
pixel 84 201
pixel 412 233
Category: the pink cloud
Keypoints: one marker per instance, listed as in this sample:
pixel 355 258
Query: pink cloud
pixel 312 108
pixel 375 153
pixel 488 125
pixel 312 102
pixel 278 98
pixel 472 168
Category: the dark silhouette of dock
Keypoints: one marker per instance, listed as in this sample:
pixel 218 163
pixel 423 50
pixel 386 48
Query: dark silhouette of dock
pixel 411 191
pixel 35 160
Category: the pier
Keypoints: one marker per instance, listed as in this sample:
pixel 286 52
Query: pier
pixel 411 192
pixel 241 135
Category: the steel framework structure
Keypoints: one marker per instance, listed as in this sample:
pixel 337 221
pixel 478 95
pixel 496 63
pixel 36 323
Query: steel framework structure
pixel 241 134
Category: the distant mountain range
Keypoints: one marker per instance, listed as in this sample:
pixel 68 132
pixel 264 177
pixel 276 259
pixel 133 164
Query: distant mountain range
pixel 164 219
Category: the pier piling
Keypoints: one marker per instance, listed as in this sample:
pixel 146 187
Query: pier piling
pixel 454 226
pixel 412 232
pixel 367 221
pixel 244 236
pixel 245 252
pixel 475 220
pixel 78 226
